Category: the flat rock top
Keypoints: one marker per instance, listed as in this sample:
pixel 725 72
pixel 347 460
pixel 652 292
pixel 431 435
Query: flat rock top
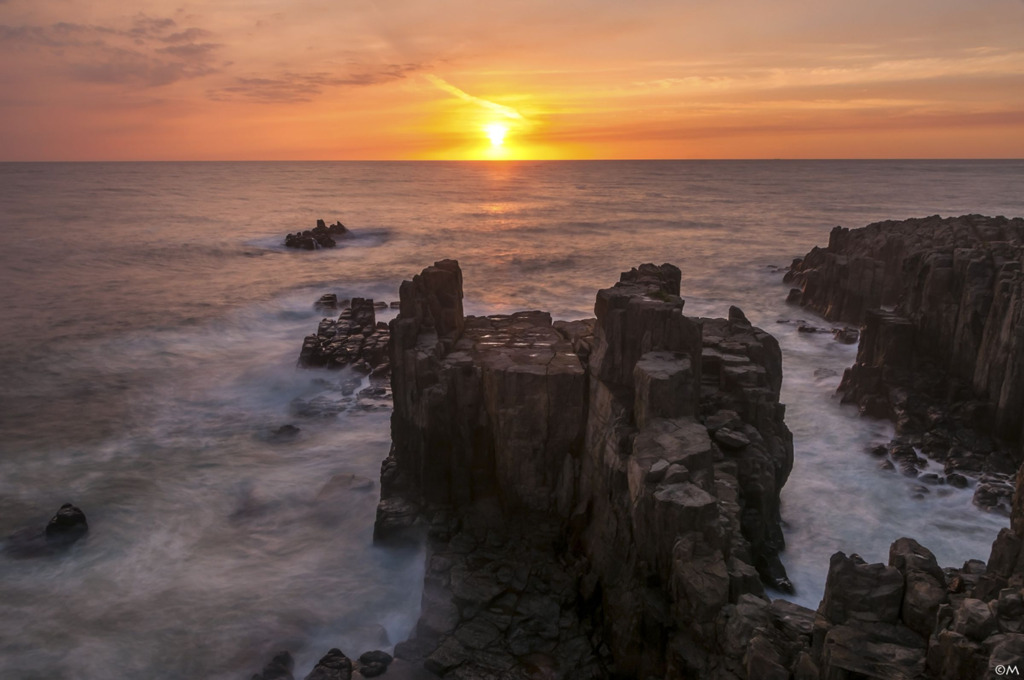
pixel 935 232
pixel 523 341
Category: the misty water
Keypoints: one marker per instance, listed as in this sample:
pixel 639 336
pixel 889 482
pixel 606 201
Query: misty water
pixel 151 323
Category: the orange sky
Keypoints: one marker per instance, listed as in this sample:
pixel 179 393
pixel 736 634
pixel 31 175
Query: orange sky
pixel 422 79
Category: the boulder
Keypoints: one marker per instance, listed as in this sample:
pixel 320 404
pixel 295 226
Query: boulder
pixel 68 525
pixel 334 665
pixel 856 590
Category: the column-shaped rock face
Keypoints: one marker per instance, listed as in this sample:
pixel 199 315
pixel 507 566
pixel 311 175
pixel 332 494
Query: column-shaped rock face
pixel 650 444
pixel 952 289
pixel 686 452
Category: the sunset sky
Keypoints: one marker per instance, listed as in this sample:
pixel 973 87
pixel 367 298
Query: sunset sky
pixel 458 79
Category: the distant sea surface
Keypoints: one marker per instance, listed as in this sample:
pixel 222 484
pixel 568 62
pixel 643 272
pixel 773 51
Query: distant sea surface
pixel 151 320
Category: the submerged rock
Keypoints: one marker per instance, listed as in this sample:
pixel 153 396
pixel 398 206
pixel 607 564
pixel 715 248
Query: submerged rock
pixel 66 527
pixel 278 668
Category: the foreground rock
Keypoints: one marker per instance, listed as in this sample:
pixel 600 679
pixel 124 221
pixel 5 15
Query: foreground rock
pixel 601 496
pixel 320 236
pixel 334 665
pixel 941 351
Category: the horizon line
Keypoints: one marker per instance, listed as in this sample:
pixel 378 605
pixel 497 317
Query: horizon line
pixel 518 160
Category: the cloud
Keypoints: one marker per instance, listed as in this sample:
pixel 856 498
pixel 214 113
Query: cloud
pixel 148 52
pixel 506 111
pixel 304 87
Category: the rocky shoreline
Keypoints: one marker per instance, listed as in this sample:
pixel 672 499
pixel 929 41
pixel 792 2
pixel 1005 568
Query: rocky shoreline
pixel 600 498
pixel 939 300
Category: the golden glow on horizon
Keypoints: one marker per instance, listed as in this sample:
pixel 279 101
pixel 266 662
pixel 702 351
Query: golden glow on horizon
pixel 570 80
pixel 496 133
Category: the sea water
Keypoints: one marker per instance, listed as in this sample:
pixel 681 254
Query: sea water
pixel 151 322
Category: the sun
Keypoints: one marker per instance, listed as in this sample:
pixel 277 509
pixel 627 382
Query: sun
pixel 496 133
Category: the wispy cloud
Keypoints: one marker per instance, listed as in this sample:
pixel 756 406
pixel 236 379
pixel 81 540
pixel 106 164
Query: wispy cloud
pixel 304 87
pixel 149 51
pixel 506 111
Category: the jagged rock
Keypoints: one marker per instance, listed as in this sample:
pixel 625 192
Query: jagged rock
pixel 860 591
pixel 354 339
pixel 937 299
pixel 974 620
pixel 318 237
pixel 327 301
pixel 334 665
pixel 924 584
pixel 875 651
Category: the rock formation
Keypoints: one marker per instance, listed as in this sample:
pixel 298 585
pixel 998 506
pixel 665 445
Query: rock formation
pixel 941 352
pixel 320 236
pixel 354 339
pixel 602 496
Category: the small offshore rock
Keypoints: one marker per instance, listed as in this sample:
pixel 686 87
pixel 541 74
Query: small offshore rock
pixel 316 238
pixel 69 524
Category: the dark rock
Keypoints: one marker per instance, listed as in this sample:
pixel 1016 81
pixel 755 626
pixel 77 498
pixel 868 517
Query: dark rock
pixel 994 497
pixel 847 336
pixel 353 340
pixel 957 480
pixel 873 650
pixel 974 619
pixel 278 668
pixel 372 670
pixel 320 236
pixel 934 296
pixel 731 439
pixel 334 665
pixel 68 525
pixel 924 585
pixel 375 656
pixel 855 590
pixel 737 316
pixel 580 512
pixel 327 301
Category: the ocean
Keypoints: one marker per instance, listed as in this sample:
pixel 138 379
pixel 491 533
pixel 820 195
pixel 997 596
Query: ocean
pixel 151 323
